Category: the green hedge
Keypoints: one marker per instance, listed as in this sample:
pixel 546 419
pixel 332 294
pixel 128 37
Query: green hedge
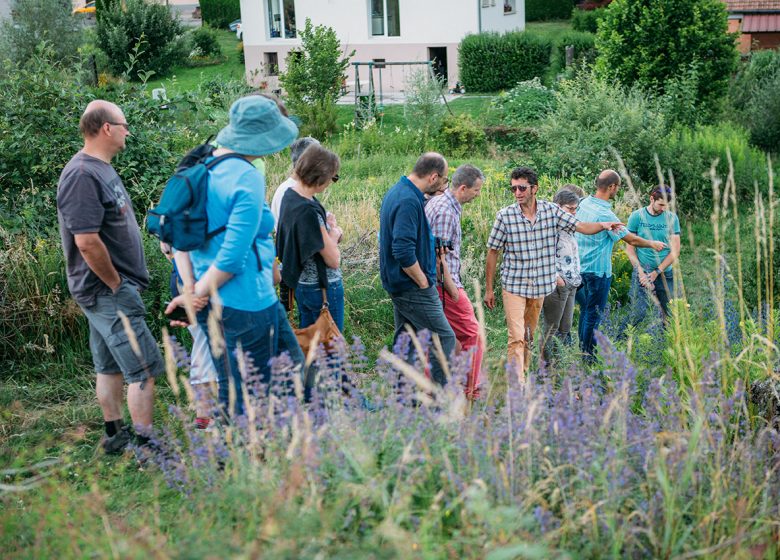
pixel 219 13
pixel 586 20
pixel 542 10
pixel 584 48
pixel 491 62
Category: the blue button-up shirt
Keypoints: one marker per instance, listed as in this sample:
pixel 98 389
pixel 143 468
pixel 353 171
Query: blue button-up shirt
pixel 596 250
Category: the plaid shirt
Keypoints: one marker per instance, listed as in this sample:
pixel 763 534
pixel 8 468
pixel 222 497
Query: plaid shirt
pixel 528 269
pixel 443 213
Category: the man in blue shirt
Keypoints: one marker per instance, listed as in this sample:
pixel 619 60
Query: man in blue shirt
pixel 596 256
pixel 407 257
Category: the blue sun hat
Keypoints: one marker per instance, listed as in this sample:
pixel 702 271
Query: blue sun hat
pixel 257 128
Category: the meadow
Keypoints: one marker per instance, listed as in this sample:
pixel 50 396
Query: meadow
pixel 663 449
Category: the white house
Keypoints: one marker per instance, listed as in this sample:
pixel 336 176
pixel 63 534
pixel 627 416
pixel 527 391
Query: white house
pixel 377 30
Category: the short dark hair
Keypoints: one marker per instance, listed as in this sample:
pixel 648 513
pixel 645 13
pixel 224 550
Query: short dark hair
pixel 661 191
pixel 525 173
pixel 606 179
pixel 429 163
pixel 316 166
pixel 575 189
pixel 565 197
pixel 467 175
pixel 299 146
pixel 279 103
pixel 92 120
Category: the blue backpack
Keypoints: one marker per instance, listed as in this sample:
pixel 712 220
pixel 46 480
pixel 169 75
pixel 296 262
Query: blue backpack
pixel 180 218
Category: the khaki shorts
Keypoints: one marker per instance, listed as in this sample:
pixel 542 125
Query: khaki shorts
pixel 112 351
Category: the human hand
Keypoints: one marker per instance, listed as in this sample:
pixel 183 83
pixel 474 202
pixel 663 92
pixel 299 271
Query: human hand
pixel 559 282
pixel 336 233
pixel 611 225
pixel 489 300
pixel 644 281
pixel 330 219
pixel 657 245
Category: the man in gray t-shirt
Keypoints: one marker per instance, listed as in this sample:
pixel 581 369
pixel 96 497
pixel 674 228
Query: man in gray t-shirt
pixel 106 269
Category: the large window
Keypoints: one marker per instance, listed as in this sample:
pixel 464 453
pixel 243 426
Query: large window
pixel 281 18
pixel 385 18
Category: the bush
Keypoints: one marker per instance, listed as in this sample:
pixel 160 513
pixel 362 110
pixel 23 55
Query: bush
pixel 524 104
pixel 756 96
pixel 313 79
pixel 590 118
pixel 219 13
pixel 690 153
pixel 541 10
pixel 490 62
pixel 423 109
pixel 584 49
pixel 647 43
pixel 140 39
pixel 205 42
pixel 461 135
pixel 586 20
pixel 34 21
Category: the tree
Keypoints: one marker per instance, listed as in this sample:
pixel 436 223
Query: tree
pixel 36 21
pixel 315 73
pixel 650 43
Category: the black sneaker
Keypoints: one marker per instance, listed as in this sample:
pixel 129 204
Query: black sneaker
pixel 116 444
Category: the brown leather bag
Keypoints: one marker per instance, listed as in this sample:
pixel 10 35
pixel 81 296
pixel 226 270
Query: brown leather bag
pixel 324 329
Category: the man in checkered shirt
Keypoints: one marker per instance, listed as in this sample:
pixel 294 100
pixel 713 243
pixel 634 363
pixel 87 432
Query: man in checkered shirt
pixel 527 233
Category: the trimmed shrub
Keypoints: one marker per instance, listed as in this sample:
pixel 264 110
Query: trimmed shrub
pixel 35 21
pixel 205 42
pixel 647 43
pixel 586 20
pixel 490 62
pixel 461 135
pixel 140 38
pixel 584 49
pixel 690 153
pixel 219 13
pixel 541 10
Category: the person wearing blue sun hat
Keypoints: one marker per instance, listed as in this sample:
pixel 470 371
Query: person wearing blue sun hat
pixel 238 263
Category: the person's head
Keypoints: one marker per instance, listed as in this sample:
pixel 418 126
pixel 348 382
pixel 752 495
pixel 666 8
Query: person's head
pixel 660 197
pixel 430 173
pixel 317 168
pixel 299 146
pixel 257 128
pixel 279 103
pixel 567 200
pixel 607 184
pixel 575 189
pixel 467 183
pixel 523 183
pixel 104 126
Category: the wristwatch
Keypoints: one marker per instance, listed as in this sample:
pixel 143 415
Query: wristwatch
pixel 658 270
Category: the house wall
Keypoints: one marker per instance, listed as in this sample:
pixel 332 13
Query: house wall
pixel 424 24
pixel 766 40
pixel 5 9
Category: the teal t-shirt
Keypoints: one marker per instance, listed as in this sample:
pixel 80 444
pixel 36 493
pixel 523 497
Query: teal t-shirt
pixel 655 228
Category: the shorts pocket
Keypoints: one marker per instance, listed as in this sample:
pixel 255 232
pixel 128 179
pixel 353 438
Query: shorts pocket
pixel 135 367
pixel 128 300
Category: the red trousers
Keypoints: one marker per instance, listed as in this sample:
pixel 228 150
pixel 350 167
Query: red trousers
pixel 460 315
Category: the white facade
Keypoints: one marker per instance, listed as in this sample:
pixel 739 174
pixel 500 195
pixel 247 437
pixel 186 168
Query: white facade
pixel 393 30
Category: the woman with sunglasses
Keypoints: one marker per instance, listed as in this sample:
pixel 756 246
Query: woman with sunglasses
pixel 308 237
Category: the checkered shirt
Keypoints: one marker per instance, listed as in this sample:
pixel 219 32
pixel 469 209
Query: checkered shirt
pixel 443 213
pixel 528 268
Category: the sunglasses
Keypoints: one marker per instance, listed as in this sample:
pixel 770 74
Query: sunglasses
pixel 521 188
pixel 335 178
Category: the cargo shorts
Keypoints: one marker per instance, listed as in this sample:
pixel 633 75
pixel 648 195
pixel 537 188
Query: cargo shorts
pixel 110 343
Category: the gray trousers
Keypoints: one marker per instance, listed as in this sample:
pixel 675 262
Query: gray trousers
pixel 422 310
pixel 558 309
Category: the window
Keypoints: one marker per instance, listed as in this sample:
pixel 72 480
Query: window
pixel 271 64
pixel 281 18
pixel 509 7
pixel 385 15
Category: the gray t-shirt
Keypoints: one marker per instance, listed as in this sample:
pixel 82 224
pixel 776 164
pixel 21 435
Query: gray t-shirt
pixel 92 199
pixel 309 275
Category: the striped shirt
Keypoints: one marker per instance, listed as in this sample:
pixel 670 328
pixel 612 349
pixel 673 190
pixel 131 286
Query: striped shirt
pixel 443 213
pixel 596 250
pixel 529 265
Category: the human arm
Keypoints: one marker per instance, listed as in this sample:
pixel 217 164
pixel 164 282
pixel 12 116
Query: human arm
pixel 330 252
pixel 97 258
pixel 490 272
pixel 277 273
pixel 447 282
pixel 404 244
pixel 592 228
pixel 417 275
pixel 636 241
pixel 674 254
pixel 632 256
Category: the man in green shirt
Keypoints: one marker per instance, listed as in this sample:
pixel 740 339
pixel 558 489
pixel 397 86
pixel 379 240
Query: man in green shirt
pixel 652 276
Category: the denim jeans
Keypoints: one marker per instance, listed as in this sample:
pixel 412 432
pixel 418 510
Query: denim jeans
pixel 309 300
pixel 641 297
pixel 592 296
pixel 262 335
pixel 422 310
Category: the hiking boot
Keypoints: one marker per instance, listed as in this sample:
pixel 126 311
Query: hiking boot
pixel 116 444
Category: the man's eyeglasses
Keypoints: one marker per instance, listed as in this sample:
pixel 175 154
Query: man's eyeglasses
pixel 124 124
pixel 521 188
pixel 335 178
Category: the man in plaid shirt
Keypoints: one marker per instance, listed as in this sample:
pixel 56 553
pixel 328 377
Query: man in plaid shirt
pixel 443 213
pixel 527 233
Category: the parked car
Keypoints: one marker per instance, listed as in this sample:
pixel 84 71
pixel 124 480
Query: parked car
pixel 88 8
pixel 233 24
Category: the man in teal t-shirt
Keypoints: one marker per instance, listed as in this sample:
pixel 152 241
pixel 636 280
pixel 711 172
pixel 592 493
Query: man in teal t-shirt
pixel 652 276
